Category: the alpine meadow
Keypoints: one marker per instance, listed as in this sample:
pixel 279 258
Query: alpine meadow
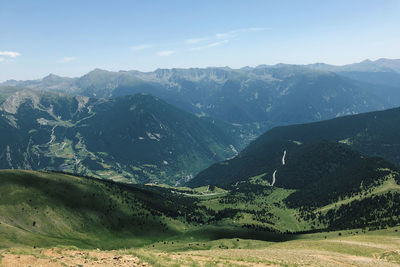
pixel 200 133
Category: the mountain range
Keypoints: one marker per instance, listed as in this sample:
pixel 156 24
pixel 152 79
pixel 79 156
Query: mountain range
pixel 109 165
pixel 103 124
pixel 257 98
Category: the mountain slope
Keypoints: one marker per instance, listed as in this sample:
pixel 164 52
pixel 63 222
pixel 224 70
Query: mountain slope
pixel 134 138
pixel 42 208
pixel 46 208
pixel 372 134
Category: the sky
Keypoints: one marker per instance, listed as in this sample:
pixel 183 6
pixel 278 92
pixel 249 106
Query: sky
pixel 71 38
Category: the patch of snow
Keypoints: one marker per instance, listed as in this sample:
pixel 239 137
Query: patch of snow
pixel 152 136
pixel 233 149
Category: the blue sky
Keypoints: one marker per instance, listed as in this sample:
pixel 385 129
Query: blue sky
pixel 70 38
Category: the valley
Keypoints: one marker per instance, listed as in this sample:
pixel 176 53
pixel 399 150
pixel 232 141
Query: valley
pixel 199 133
pixel 135 139
pixel 132 180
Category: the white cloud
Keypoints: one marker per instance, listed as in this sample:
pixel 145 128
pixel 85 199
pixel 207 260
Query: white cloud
pixel 196 40
pixel 237 31
pixel 256 29
pixel 166 53
pixel 67 59
pixel 215 44
pixel 141 47
pixel 9 54
pixel 196 44
pixel 225 34
pixel 1 59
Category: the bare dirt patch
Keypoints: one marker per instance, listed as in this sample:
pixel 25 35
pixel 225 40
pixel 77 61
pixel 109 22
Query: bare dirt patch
pixel 59 257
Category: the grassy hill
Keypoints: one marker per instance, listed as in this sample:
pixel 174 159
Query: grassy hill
pixel 41 208
pixel 47 208
pixel 44 209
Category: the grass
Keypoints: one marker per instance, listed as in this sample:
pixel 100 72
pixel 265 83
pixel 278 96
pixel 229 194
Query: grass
pixel 388 185
pixel 44 209
pixel 47 210
pixel 375 248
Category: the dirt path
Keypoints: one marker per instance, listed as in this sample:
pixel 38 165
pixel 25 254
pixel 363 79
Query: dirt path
pixel 58 257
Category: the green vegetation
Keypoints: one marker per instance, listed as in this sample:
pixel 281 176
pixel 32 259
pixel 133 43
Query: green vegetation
pixel 319 150
pixel 47 208
pixel 132 139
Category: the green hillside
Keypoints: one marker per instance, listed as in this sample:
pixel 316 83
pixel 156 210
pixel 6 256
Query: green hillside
pixel 46 209
pixel 373 134
pixel 336 174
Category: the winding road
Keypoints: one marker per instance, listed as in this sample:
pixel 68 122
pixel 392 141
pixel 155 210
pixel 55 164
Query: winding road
pixel 273 178
pixel 283 163
pixel 283 157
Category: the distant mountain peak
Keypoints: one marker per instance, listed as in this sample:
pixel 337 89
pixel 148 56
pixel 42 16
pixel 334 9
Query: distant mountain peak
pixel 97 71
pixel 367 61
pixel 51 76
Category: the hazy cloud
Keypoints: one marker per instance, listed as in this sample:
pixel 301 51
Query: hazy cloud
pixel 166 53
pixel 196 40
pixel 68 59
pixel 9 54
pixel 238 31
pixel 141 47
pixel 1 59
pixel 197 44
pixel 215 44
pixel 226 36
